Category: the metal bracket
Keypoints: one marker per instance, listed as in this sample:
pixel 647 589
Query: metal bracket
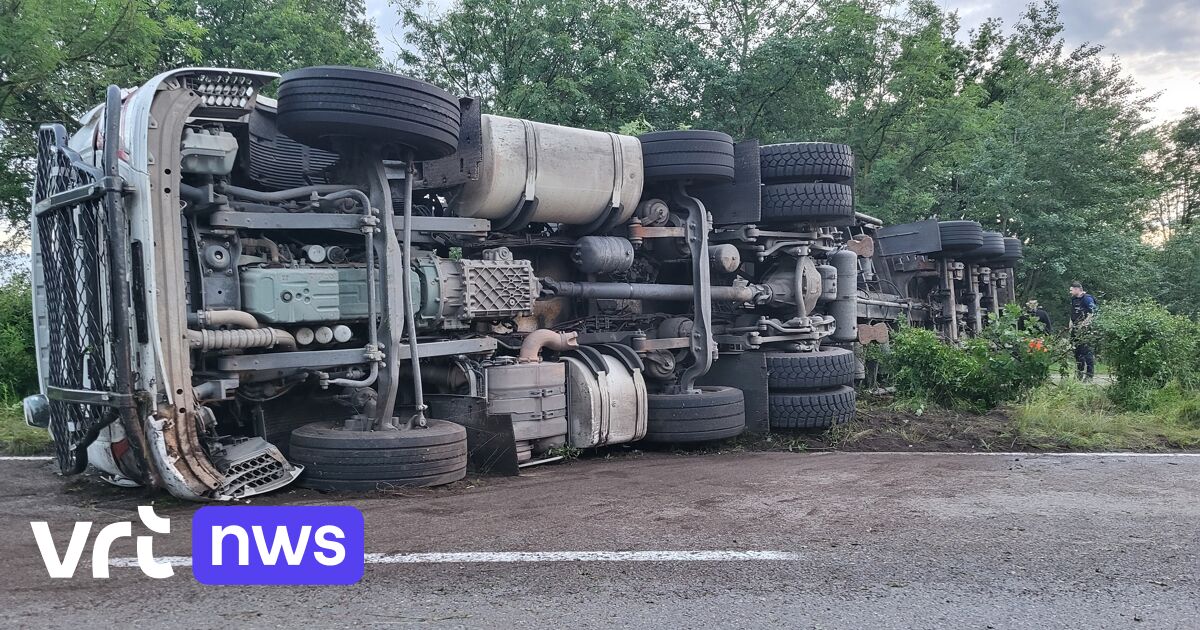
pixel 703 346
pixel 518 219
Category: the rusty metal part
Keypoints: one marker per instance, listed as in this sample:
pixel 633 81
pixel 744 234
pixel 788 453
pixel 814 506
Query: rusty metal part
pixel 864 246
pixel 536 341
pixel 170 110
pixel 877 333
pixel 229 317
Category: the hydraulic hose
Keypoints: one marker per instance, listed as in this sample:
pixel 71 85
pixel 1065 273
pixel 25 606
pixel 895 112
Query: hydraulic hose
pixel 237 339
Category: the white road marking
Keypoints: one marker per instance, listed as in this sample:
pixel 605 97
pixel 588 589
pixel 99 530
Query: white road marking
pixel 1010 453
pixel 579 556
pixel 531 556
pixel 46 458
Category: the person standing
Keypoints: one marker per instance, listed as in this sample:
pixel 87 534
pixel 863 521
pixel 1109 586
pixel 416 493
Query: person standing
pixel 1036 312
pixel 1083 309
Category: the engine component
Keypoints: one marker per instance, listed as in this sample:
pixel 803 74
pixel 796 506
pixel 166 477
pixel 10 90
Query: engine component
pixel 829 283
pixel 536 341
pixel 453 293
pixel 295 295
pixel 305 336
pixel 534 395
pixel 725 258
pixel 342 333
pixel 292 295
pixel 323 334
pixel 315 253
pixel 571 176
pixel 226 317
pixel 605 406
pixel 784 285
pixel 217 257
pixel 659 365
pixel 208 152
pixel 603 254
pixel 336 254
pixel 626 291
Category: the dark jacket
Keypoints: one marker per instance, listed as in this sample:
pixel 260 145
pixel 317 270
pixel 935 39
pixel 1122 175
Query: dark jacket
pixel 1081 307
pixel 1041 315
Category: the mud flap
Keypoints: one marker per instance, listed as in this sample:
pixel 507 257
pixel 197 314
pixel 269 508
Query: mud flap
pixel 491 444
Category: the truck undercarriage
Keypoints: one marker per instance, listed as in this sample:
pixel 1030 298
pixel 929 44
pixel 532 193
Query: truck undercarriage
pixel 368 282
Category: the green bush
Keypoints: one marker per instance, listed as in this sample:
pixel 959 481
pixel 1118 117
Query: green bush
pixel 18 352
pixel 980 374
pixel 1147 347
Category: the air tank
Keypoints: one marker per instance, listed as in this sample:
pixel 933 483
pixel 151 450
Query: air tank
pixel 844 308
pixel 574 173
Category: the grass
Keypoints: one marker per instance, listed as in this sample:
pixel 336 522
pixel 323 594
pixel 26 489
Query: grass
pixel 16 437
pixel 1080 416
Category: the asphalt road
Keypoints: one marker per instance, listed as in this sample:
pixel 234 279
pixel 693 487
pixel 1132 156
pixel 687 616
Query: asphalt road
pixel 875 541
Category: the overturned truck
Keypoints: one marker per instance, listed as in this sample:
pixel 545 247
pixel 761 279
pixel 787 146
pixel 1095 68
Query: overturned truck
pixel 366 281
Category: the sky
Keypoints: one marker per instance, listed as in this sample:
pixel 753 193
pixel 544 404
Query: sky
pixel 1157 41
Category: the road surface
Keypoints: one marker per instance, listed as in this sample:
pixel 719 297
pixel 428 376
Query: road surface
pixel 855 540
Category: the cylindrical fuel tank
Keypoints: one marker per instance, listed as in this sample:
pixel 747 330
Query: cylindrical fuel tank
pixel 573 172
pixel 845 308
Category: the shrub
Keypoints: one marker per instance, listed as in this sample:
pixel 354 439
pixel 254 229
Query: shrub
pixel 981 373
pixel 18 351
pixel 1146 348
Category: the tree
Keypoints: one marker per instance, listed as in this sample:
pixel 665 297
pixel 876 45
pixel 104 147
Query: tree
pixel 592 64
pixel 57 56
pixel 281 35
pixel 1181 167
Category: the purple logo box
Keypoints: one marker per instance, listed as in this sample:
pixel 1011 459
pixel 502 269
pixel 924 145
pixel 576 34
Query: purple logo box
pixel 277 545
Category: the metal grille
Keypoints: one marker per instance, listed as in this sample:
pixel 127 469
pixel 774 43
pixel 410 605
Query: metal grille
pixel 73 257
pixel 498 288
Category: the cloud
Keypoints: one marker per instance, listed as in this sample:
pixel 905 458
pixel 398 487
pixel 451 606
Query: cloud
pixel 1156 41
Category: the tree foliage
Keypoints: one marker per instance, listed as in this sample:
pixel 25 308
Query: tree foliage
pixel 58 56
pixel 1005 125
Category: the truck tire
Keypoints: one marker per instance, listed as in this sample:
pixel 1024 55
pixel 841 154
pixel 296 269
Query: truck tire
pixel 324 102
pixel 825 368
pixel 819 204
pixel 812 410
pixel 1014 251
pixel 992 247
pixel 797 162
pixel 715 413
pixel 960 236
pixel 691 154
pixel 363 460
